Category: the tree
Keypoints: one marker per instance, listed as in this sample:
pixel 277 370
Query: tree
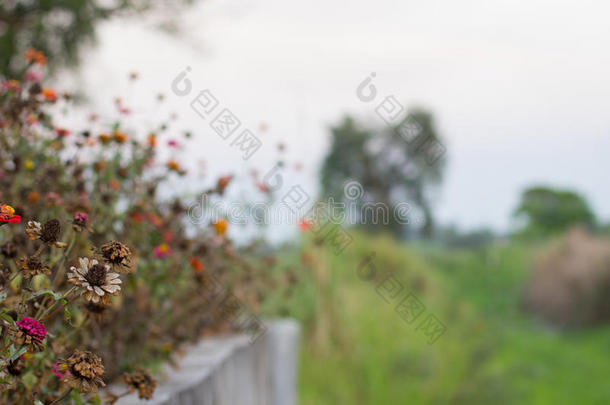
pixel 547 211
pixel 60 28
pixel 395 166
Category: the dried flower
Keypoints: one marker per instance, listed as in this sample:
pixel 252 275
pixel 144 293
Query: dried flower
pixel 33 266
pixel 116 253
pixel 141 381
pixel 50 233
pixel 33 229
pixel 222 183
pixel 96 278
pixel 85 371
pixel 31 333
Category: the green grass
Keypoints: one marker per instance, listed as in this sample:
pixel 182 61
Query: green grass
pixel 491 353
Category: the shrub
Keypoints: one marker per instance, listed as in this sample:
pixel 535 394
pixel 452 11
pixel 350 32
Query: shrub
pixel 570 283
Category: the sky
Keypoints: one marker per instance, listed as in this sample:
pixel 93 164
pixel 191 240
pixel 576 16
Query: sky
pixel 519 89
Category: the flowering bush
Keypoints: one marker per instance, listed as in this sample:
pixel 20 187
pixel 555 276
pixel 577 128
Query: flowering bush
pixel 98 278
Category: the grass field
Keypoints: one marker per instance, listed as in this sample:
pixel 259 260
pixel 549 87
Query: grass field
pixel 359 350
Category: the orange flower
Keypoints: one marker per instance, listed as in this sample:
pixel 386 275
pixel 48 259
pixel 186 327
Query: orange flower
pixel 49 94
pixel 221 226
pixel 34 56
pixel 33 197
pixel 114 185
pixel 152 140
pixel 196 264
pixel 119 136
pixel 173 165
pixel 105 138
pixel 155 220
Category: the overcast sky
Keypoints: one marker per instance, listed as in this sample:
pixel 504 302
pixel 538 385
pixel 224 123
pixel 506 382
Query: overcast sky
pixel 520 89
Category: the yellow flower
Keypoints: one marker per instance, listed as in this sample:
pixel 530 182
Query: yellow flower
pixel 221 226
pixel 29 164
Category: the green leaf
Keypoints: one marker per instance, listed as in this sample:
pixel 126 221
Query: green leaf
pixel 7 318
pixel 55 295
pixel 15 354
pixel 67 314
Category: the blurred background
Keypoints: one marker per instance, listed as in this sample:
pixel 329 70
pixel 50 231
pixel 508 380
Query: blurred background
pixel 458 149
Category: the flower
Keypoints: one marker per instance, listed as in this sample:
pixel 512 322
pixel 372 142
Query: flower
pixel 50 233
pixel 119 136
pixel 116 253
pixel 7 214
pixel 173 165
pixel 62 132
pixel 96 278
pixel 162 251
pixel 141 381
pixel 221 226
pixel 152 140
pixel 33 229
pixel 49 94
pixel 11 85
pixel 104 138
pixel 33 76
pixel 85 371
pixel 80 221
pixel 29 164
pixel 222 183
pixel 196 264
pixel 31 333
pixel 57 372
pixel 35 56
pixel 305 225
pixel 33 266
pixel 172 143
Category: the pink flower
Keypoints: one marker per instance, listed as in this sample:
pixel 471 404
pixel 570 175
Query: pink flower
pixel 162 251
pixel 58 373
pixel 11 85
pixel 33 76
pixel 81 218
pixel 172 143
pixel 32 327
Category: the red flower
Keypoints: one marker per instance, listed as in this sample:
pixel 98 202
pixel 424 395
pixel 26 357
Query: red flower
pixel 7 214
pixel 196 264
pixel 62 132
pixel 304 225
